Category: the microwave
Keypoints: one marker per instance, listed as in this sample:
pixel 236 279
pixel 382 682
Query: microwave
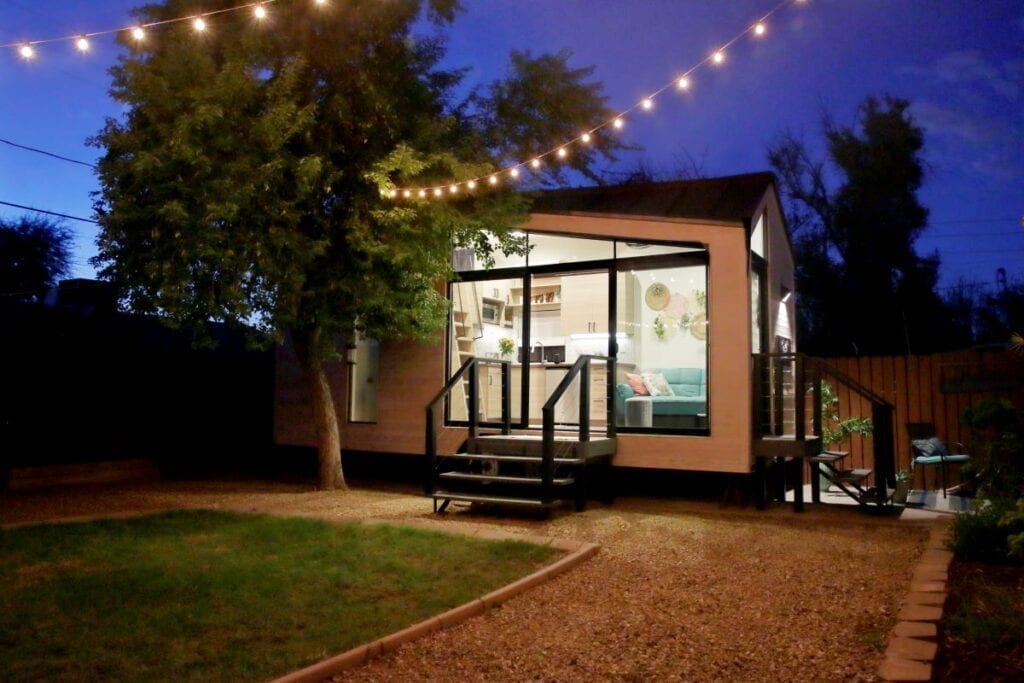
pixel 490 313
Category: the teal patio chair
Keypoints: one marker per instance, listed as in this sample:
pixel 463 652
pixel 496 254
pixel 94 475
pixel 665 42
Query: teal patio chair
pixel 928 449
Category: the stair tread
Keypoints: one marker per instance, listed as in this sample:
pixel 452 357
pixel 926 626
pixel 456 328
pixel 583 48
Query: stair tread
pixel 513 458
pixel 849 476
pixel 502 500
pixel 503 478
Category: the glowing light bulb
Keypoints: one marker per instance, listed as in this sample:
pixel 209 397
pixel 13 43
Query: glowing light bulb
pixel 493 180
pixel 562 153
pixel 437 192
pixel 393 193
pixel 718 57
pixel 585 137
pixel 260 12
pixel 199 24
pixel 422 194
pixel 759 29
pixel 26 52
pixel 683 83
pixel 82 44
pixel 138 33
pixel 514 173
pixel 535 163
pixel 453 189
pixel 617 123
pixel 647 103
pixel 407 194
pixel 471 184
pixel 320 2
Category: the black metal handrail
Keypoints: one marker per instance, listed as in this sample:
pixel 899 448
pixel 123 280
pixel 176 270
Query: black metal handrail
pixel 581 369
pixel 471 365
pixel 882 411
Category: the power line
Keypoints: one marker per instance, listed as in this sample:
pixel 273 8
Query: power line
pixel 49 154
pixel 50 213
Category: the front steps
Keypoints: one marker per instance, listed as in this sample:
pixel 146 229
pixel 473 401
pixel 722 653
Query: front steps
pixel 508 470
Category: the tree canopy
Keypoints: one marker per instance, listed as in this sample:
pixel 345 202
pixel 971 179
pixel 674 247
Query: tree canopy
pixel 863 288
pixel 34 254
pixel 247 180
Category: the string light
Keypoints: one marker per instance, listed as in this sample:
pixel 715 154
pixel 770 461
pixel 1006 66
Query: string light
pixel 27 51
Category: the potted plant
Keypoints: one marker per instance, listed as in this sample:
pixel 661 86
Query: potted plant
pixel 903 478
pixel 506 346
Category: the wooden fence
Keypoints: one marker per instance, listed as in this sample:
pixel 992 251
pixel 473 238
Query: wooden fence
pixel 935 388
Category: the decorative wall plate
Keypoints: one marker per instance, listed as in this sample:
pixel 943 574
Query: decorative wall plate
pixel 699 327
pixel 677 306
pixel 657 296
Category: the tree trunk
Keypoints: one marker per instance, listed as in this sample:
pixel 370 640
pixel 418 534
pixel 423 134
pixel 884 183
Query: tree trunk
pixel 328 438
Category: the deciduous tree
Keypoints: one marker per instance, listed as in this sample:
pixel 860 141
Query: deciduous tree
pixel 863 287
pixel 249 177
pixel 34 254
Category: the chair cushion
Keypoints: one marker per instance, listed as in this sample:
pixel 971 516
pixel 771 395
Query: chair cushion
pixel 929 447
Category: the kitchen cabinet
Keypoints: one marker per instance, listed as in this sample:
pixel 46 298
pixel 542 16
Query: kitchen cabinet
pixel 490 392
pixel 584 303
pixel 546 295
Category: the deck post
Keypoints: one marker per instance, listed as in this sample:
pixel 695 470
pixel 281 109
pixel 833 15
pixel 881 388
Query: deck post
pixel 474 404
pixel 547 467
pixel 506 397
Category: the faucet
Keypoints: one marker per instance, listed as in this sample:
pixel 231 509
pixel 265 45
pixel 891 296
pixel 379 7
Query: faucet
pixel 535 345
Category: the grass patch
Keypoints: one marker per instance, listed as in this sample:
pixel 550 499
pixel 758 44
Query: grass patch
pixel 220 596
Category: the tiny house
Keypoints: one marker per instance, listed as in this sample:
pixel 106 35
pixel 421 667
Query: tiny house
pixel 667 290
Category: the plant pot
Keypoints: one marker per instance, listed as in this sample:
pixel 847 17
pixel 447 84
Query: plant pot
pixel 900 495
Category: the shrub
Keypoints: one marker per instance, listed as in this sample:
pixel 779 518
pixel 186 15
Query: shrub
pixel 978 535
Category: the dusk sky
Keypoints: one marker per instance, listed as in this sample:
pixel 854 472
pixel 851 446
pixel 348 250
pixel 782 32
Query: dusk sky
pixel 959 62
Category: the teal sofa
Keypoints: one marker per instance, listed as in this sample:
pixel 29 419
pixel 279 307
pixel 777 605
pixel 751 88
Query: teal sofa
pixel 687 407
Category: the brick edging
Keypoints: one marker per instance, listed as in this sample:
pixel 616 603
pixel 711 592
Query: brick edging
pixel 578 553
pixel 913 644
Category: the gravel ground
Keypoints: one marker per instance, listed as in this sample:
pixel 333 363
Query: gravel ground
pixel 680 589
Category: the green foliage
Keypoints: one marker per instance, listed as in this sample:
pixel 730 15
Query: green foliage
pixel 835 430
pixel 979 536
pixel 248 179
pixel 211 596
pixel 34 255
pixel 244 182
pixel 855 242
pixel 997 429
pixel 1014 521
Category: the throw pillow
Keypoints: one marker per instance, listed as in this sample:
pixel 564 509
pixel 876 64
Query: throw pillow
pixel 924 447
pixel 938 448
pixel 656 384
pixel 636 383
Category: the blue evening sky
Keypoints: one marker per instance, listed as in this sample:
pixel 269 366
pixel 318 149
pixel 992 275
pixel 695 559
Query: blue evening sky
pixel 960 63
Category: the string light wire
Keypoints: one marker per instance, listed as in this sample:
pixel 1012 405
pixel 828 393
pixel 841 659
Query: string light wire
pixel 560 151
pixel 133 28
pixel 680 81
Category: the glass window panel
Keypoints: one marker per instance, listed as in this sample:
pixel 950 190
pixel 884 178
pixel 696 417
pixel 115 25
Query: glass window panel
pixel 363 367
pixel 757 237
pixel 465 260
pixel 663 316
pixel 547 249
pixel 632 249
pixel 485 323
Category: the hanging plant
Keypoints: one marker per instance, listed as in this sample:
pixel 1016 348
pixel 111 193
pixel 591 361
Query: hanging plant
pixel 659 328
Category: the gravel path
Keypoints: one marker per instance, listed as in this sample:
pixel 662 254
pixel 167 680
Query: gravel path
pixel 680 589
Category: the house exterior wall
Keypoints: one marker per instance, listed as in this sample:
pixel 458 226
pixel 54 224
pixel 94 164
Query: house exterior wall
pixel 411 374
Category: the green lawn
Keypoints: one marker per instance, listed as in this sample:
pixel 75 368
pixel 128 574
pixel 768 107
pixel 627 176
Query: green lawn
pixel 216 596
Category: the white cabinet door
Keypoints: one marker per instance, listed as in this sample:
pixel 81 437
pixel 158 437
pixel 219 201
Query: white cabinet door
pixel 584 303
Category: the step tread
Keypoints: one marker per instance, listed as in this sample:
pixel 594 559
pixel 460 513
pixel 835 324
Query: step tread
pixel 500 500
pixel 513 458
pixel 850 476
pixel 503 478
